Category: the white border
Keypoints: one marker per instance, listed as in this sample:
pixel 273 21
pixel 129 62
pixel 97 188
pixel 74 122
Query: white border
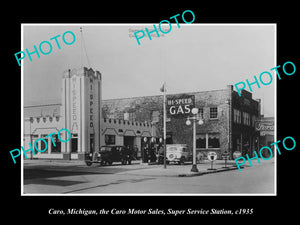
pixel 150 194
pixel 22 113
pixel 275 114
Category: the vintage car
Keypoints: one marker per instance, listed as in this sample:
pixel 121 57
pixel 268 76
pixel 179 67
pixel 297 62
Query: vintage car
pixel 178 153
pixel 108 154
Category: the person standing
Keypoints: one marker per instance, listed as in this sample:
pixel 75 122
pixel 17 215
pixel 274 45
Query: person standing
pixel 145 150
pixel 161 155
pixel 153 156
pixel 135 152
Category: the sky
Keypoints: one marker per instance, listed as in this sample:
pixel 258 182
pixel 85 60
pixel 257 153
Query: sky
pixel 194 57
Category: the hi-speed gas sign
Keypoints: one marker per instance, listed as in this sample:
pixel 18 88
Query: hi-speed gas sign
pixel 180 106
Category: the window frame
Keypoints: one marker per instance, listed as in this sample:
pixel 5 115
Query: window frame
pixel 107 137
pixel 211 113
pixel 246 119
pixel 237 116
pixel 206 138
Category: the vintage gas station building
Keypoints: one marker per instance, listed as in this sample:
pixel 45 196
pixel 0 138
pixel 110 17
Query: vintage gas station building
pixel 80 112
pixel 228 120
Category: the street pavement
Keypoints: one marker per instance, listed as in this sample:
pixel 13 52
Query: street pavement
pixel 74 177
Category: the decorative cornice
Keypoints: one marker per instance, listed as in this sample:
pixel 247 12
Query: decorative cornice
pixel 82 71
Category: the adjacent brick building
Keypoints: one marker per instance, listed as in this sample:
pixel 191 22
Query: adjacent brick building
pixel 229 120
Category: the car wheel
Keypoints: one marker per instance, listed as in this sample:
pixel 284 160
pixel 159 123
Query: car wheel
pixel 88 163
pixel 102 163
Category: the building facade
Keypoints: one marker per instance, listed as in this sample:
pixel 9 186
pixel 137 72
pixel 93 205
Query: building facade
pixel 265 127
pixel 81 113
pixel 246 112
pixel 228 120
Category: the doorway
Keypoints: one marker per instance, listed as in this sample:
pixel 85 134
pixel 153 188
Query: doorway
pixel 92 143
pixel 74 145
pixel 169 138
pixel 129 141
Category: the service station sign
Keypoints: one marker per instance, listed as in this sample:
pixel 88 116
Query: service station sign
pixel 265 127
pixel 180 106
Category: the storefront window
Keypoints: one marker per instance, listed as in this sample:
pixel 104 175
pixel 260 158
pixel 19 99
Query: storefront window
pixel 57 147
pixel 205 141
pixel 213 141
pixel 43 144
pixel 201 141
pixel 110 139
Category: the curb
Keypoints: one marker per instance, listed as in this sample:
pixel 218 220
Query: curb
pixel 182 174
pixel 208 172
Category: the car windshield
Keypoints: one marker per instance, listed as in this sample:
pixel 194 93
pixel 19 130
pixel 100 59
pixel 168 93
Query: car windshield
pixel 105 148
pixel 172 149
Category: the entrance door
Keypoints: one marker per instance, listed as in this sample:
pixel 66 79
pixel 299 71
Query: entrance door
pixel 169 139
pixel 92 143
pixel 74 145
pixel 129 141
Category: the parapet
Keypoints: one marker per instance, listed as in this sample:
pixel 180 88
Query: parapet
pixel 82 71
pixel 44 119
pixel 127 122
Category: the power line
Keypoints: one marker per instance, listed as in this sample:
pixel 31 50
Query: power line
pixel 83 47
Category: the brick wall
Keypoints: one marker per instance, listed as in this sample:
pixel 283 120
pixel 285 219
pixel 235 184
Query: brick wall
pixel 142 107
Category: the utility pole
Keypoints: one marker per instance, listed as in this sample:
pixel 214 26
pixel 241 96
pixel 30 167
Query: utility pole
pixel 165 128
pixel 163 89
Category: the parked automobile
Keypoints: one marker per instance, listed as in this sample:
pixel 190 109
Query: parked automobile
pixel 108 154
pixel 178 153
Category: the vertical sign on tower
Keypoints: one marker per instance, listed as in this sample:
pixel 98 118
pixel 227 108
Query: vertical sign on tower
pixel 74 117
pixel 91 112
pixel 91 115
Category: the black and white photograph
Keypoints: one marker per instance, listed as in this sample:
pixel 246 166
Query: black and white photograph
pixel 149 113
pixel 164 109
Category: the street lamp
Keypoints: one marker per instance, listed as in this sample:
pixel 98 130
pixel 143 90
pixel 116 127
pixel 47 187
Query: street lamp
pixel 194 118
pixel 30 135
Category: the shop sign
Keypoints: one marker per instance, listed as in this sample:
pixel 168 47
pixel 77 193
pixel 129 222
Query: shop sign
pixel 264 133
pixel 264 126
pixel 180 106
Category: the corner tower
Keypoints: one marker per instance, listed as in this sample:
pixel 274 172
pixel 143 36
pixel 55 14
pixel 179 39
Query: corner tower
pixel 81 111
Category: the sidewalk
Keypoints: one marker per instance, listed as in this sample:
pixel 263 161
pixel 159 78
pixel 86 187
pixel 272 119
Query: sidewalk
pixel 174 170
pixel 137 168
pixel 59 162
